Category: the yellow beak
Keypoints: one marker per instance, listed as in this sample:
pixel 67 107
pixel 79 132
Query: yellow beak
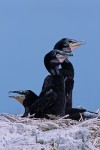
pixel 76 44
pixel 20 99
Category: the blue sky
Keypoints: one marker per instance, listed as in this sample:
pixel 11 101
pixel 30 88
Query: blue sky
pixel 29 29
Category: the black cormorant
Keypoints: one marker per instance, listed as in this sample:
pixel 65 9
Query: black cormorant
pixel 51 99
pixel 27 99
pixel 67 45
pixel 59 54
pixel 53 59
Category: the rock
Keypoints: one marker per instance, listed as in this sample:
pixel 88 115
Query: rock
pixel 43 134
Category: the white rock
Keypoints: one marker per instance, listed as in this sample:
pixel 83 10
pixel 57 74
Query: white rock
pixel 18 133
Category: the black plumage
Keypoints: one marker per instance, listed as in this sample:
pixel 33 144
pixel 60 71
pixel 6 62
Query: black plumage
pixel 53 59
pixel 57 89
pixel 51 99
pixel 75 113
pixel 63 44
pixel 68 72
pixel 51 63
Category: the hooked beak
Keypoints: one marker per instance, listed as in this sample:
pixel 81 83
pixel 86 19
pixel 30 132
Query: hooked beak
pixel 76 44
pixel 20 99
pixel 21 92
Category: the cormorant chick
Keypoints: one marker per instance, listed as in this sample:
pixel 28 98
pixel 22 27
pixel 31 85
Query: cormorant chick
pixel 26 100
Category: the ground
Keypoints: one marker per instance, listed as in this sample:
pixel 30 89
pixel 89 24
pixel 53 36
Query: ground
pixel 18 133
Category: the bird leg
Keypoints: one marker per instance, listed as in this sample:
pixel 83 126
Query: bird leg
pixel 81 117
pixel 26 112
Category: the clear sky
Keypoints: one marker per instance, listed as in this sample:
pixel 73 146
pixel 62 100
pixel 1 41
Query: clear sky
pixel 30 28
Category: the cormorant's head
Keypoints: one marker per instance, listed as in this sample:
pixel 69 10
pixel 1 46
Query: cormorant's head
pixel 61 55
pixel 21 99
pixel 68 45
pixel 23 94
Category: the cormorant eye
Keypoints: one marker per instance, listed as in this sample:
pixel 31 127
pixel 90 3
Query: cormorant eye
pixel 66 45
pixel 70 41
